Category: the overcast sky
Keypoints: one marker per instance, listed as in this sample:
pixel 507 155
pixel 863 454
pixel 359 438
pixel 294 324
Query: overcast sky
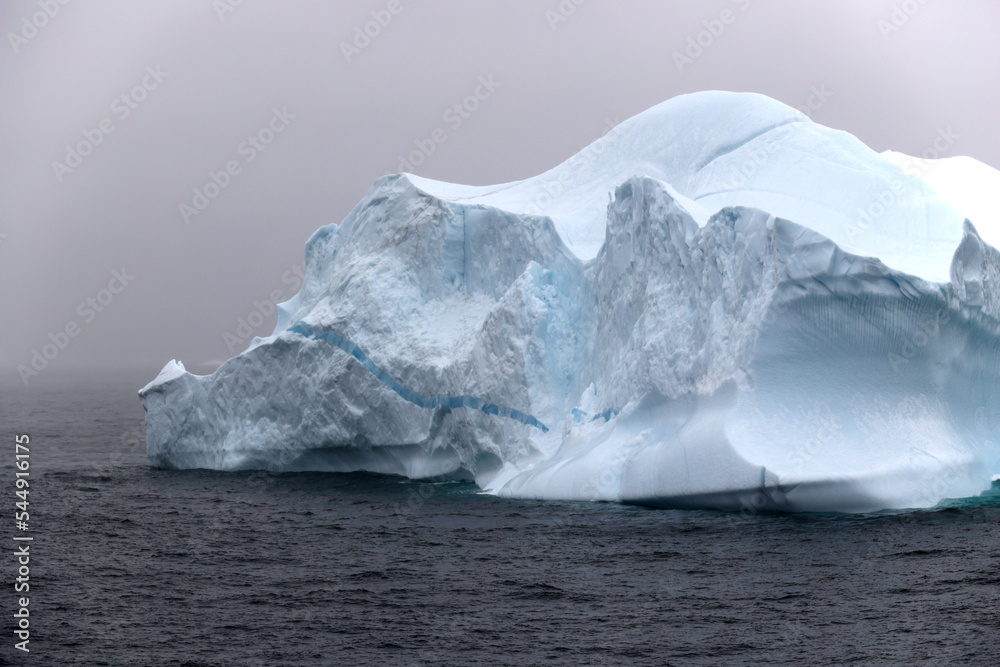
pixel 113 114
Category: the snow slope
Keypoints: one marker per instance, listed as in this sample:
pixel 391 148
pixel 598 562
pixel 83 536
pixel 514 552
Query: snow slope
pixel 965 183
pixel 718 304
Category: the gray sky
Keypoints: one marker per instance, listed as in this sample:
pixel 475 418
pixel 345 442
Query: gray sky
pixel 198 81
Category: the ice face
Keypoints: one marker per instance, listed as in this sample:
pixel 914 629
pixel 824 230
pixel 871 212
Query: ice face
pixel 719 149
pixel 767 315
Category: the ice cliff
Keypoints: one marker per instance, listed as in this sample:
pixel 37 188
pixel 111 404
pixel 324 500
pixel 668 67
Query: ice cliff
pixel 719 304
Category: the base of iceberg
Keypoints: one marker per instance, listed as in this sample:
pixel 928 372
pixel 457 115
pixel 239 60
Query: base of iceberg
pixel 701 310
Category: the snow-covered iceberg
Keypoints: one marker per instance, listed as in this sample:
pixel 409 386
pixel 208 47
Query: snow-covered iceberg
pixel 718 304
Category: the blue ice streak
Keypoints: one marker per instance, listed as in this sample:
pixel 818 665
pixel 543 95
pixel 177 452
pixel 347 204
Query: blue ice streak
pixel 441 400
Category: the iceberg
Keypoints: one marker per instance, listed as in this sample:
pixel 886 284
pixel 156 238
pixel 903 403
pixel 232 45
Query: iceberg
pixel 719 304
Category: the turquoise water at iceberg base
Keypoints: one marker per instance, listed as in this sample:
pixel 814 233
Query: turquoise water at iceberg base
pixel 137 566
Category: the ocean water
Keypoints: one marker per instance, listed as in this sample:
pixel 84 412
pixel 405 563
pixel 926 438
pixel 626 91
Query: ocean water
pixel 136 566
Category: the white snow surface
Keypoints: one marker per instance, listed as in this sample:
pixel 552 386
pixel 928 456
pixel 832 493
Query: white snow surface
pixel 965 183
pixel 718 304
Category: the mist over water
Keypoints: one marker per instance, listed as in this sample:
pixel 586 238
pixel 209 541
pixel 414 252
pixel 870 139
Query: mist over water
pixel 142 566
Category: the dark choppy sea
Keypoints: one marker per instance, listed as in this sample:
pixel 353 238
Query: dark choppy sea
pixel 135 566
